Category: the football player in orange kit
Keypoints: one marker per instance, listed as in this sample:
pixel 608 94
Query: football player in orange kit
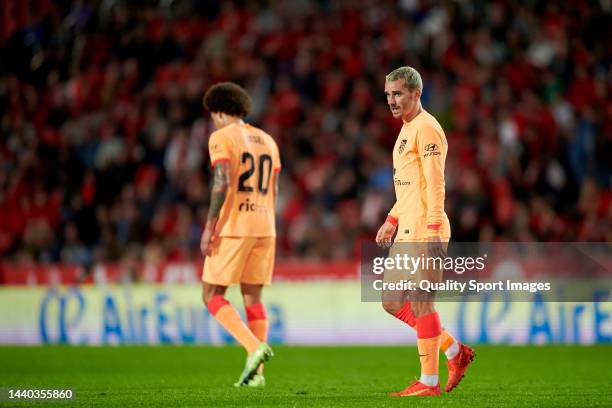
pixel 239 238
pixel 419 219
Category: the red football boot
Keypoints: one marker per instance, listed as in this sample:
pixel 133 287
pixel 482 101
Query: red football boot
pixel 418 389
pixel 457 366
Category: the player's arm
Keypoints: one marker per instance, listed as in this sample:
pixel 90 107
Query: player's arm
pixel 276 179
pixel 386 232
pixel 219 149
pixel 220 186
pixel 431 149
pixel 276 172
pixel 219 190
pixel 393 215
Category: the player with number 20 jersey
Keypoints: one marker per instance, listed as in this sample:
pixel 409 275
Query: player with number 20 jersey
pixel 238 240
pixel 246 226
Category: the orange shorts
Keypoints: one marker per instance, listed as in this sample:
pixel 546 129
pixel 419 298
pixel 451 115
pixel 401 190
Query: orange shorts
pixel 235 260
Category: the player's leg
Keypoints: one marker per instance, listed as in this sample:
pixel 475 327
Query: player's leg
pixel 429 338
pixel 459 355
pixel 396 303
pixel 257 272
pixel 393 301
pixel 222 269
pixel 227 316
pixel 403 311
pixel 427 342
pixel 422 313
pixel 257 320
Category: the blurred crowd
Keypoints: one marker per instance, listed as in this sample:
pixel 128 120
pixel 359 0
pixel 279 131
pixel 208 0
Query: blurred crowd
pixel 103 138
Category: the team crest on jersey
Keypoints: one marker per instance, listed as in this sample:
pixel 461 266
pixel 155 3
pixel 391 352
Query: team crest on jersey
pixel 402 146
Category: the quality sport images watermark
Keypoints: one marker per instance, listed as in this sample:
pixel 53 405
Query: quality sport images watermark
pixel 412 265
pixel 474 271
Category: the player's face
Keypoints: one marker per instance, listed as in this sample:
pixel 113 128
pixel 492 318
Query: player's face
pixel 400 99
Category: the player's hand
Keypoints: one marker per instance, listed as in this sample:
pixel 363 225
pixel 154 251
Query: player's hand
pixel 384 236
pixel 208 237
pixel 435 249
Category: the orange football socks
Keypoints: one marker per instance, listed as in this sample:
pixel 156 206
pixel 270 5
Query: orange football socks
pixel 229 318
pixel 448 344
pixel 405 315
pixel 258 323
pixel 429 334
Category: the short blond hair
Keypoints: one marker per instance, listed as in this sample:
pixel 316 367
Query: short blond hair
pixel 412 78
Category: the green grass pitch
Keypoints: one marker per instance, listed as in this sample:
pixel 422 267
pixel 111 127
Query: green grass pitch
pixel 178 376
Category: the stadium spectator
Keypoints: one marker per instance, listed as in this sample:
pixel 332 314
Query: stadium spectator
pixel 102 136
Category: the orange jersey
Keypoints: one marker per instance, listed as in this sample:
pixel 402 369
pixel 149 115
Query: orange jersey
pixel 418 174
pixel 248 210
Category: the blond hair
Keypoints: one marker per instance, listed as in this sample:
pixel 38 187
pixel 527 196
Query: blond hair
pixel 412 78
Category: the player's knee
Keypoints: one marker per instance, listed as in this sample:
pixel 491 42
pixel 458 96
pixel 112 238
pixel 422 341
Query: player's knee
pixel 251 294
pixel 213 297
pixel 422 308
pixel 205 298
pixel 392 307
pixel 251 300
pixel 208 292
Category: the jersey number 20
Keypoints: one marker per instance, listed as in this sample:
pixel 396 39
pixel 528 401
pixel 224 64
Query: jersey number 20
pixel 265 170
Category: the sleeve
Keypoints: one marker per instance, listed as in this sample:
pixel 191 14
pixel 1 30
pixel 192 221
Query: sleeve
pixel 431 143
pixel 393 213
pixel 219 148
pixel 277 161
